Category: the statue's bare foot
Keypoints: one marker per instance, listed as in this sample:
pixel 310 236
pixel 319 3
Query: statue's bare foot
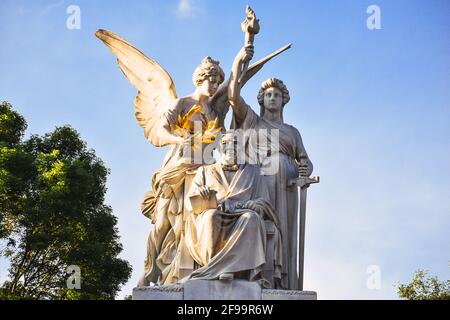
pixel 226 276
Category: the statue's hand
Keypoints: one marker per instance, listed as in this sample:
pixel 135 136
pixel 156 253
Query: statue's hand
pixel 183 141
pixel 246 53
pixel 303 170
pixel 185 144
pixel 250 204
pixel 205 192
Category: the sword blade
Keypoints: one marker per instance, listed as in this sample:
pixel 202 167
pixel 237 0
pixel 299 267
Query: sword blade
pixel 301 235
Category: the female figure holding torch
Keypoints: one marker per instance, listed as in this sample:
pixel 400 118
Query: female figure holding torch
pixel 290 154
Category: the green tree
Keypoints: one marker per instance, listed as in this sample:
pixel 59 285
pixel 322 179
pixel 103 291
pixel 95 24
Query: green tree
pixel 52 216
pixel 424 287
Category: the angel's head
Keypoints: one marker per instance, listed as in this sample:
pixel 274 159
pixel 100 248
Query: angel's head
pixel 208 76
pixel 273 96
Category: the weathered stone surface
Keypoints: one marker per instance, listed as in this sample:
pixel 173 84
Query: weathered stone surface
pixel 219 290
pixel 174 292
pixel 269 294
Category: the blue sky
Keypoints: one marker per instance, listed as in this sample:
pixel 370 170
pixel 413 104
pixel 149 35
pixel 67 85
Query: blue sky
pixel 372 106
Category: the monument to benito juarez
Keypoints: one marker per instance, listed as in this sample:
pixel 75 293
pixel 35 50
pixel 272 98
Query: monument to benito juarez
pixel 225 228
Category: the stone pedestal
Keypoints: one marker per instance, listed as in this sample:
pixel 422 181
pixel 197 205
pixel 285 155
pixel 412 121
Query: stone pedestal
pixel 219 290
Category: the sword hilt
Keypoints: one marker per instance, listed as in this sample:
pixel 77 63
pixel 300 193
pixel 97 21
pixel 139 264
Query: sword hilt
pixel 303 182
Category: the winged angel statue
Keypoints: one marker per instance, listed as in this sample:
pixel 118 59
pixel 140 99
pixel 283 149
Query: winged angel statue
pixel 183 124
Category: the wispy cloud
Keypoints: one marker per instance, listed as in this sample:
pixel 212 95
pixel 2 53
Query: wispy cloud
pixel 51 6
pixel 187 9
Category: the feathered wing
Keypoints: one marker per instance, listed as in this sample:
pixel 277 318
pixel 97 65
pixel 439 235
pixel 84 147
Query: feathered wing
pixel 156 90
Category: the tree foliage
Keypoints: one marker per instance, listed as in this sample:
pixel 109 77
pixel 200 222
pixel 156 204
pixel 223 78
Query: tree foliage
pixel 52 215
pixel 424 287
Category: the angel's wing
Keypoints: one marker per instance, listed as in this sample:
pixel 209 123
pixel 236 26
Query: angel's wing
pixel 156 90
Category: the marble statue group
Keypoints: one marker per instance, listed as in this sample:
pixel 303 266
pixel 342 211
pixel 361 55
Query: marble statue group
pixel 226 203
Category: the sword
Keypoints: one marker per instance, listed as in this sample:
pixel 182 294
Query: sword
pixel 302 183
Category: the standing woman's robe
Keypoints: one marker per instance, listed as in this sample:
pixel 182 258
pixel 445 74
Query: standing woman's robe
pixel 281 182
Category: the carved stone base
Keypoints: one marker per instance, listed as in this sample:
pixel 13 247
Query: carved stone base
pixel 174 292
pixel 219 290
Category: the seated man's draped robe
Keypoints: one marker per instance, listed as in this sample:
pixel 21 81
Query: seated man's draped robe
pixel 231 239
